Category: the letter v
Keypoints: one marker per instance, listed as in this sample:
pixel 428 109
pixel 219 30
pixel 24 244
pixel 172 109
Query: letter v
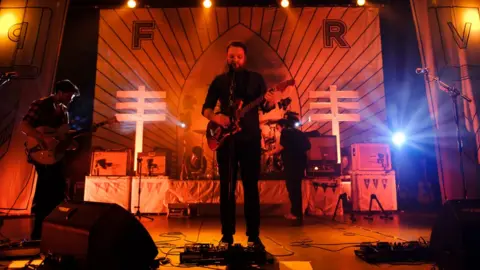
pixel 462 41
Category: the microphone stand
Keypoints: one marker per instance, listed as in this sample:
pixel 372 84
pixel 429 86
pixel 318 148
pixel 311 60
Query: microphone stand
pixel 231 156
pixel 454 94
pixel 138 214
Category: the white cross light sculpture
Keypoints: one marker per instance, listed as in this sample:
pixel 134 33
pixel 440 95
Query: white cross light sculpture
pixel 333 105
pixel 140 117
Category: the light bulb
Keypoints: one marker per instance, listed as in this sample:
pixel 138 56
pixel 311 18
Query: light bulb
pixel 131 3
pixel 207 3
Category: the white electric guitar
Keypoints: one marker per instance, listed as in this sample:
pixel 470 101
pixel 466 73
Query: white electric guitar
pixel 56 142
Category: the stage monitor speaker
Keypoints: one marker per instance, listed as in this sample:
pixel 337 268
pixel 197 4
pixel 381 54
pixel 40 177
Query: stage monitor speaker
pixel 455 238
pixel 97 236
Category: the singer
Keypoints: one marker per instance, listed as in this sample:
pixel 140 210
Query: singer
pixel 243 148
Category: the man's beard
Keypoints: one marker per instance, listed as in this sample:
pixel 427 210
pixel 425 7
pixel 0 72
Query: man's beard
pixel 235 67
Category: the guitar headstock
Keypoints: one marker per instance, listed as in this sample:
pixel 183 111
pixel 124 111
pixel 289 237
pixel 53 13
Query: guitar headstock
pixel 283 85
pixel 112 120
pixel 109 121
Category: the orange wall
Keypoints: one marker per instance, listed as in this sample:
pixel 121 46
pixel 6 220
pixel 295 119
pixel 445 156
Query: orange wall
pixel 35 60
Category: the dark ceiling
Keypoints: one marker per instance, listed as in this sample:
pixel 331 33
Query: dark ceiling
pixel 193 3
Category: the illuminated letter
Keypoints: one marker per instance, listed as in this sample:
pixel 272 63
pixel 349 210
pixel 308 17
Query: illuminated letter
pixel 141 30
pixel 462 41
pixel 17 32
pixel 335 30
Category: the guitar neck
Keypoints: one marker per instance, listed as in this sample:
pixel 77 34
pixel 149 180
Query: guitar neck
pixel 95 126
pixel 251 105
pixel 280 87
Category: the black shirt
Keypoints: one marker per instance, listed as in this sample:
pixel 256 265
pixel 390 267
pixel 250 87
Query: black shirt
pixel 295 145
pixel 249 86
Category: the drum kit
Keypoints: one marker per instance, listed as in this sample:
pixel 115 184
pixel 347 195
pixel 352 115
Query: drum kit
pixel 270 162
pixel 189 172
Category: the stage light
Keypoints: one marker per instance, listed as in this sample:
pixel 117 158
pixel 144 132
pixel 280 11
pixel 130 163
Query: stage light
pixel 360 2
pixel 471 16
pixel 297 124
pixel 6 21
pixel 285 3
pixel 398 138
pixel 207 3
pixel 182 125
pixel 131 3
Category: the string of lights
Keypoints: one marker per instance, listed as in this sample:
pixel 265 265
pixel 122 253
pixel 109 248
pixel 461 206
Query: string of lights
pixel 282 3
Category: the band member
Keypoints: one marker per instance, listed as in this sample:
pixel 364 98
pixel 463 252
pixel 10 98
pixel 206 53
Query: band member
pixel 51 112
pixel 293 146
pixel 243 148
pixel 195 164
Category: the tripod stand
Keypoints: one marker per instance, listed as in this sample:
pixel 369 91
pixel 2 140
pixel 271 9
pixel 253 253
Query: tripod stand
pixel 138 214
pixel 454 94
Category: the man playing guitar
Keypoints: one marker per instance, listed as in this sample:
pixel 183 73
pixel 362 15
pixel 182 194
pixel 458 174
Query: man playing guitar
pixel 51 112
pixel 242 148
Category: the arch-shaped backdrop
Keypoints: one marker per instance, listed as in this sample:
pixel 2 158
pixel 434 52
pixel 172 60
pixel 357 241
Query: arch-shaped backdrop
pixel 187 49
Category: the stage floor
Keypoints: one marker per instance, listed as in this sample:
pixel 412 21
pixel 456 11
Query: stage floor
pixel 278 236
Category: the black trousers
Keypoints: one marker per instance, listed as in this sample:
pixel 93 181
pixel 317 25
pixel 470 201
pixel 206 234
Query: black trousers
pixel 294 173
pixel 237 151
pixel 49 192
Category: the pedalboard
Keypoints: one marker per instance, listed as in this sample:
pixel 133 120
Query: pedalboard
pixel 385 252
pixel 208 254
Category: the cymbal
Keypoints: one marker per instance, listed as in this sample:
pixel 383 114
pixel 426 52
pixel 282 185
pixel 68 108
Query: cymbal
pixel 269 121
pixel 200 131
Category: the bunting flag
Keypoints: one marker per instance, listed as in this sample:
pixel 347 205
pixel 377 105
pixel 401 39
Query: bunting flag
pixel 375 182
pixel 367 182
pixel 384 183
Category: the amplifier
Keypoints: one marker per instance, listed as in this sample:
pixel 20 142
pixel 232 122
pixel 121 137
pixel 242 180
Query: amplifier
pixel 323 148
pixel 111 163
pixel 370 157
pixel 154 163
pixel 181 210
pixel 323 168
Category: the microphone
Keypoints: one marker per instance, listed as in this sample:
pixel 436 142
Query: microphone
pixel 421 70
pixel 231 67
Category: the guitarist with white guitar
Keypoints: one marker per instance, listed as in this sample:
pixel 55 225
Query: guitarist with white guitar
pixel 50 112
pixel 242 148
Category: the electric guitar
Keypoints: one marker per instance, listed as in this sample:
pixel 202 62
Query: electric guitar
pixel 216 134
pixel 56 142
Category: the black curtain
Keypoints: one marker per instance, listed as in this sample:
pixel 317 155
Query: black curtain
pixel 407 109
pixel 77 62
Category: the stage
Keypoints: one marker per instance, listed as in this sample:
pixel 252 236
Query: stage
pixel 279 237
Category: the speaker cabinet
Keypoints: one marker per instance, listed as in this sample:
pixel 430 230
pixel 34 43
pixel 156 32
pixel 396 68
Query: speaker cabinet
pixel 455 238
pixel 97 236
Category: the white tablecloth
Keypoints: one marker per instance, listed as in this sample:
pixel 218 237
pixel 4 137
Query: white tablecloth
pixel 152 196
pixel 157 192
pixel 108 189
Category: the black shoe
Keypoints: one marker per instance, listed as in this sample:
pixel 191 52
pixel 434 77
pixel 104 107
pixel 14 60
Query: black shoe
pixel 257 243
pixel 227 239
pixel 297 223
